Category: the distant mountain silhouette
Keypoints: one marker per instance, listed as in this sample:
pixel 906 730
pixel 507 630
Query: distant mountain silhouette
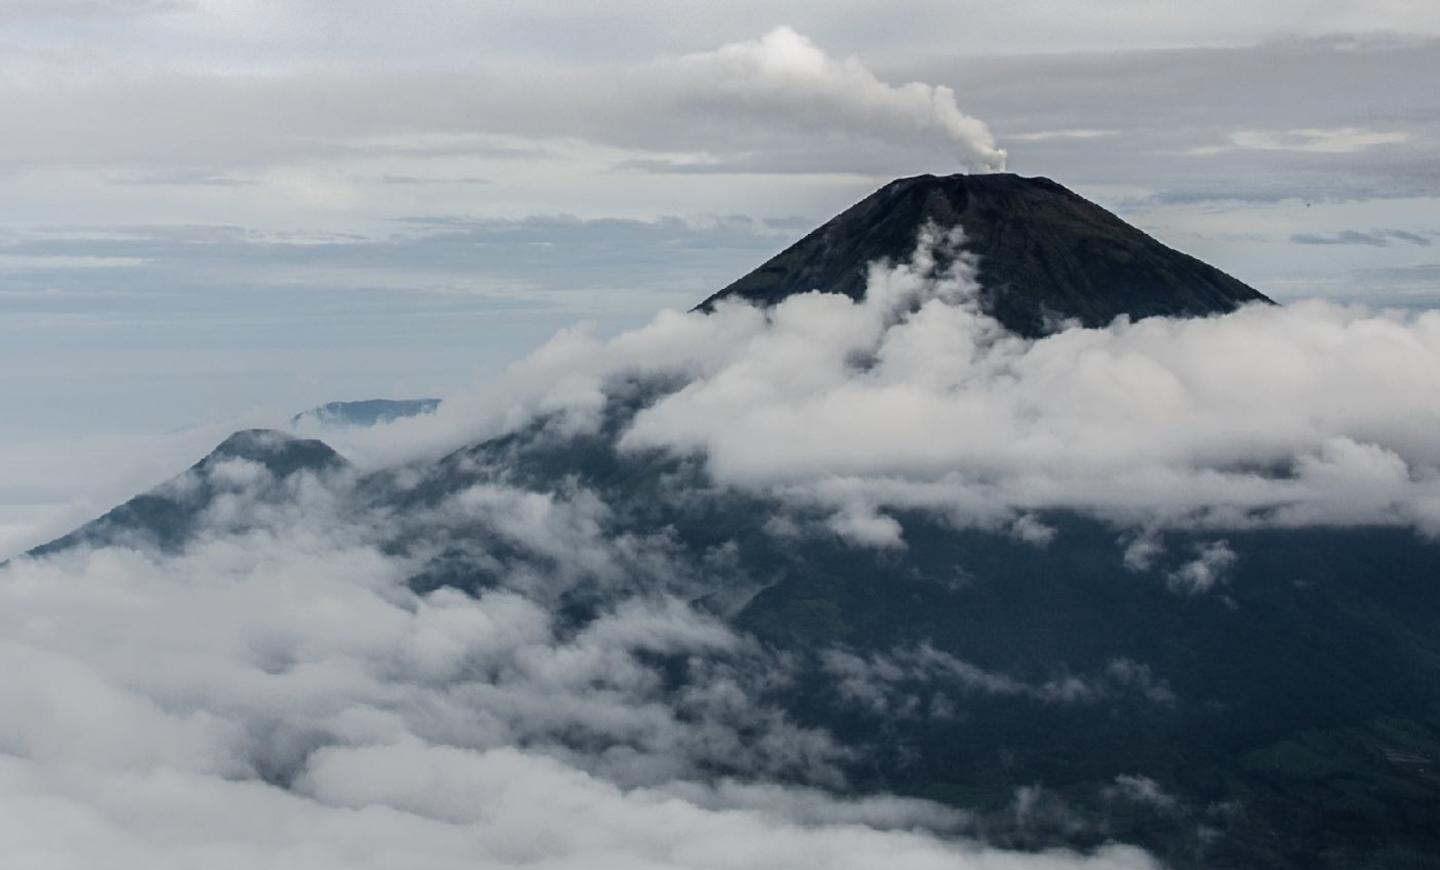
pixel 366 412
pixel 1046 254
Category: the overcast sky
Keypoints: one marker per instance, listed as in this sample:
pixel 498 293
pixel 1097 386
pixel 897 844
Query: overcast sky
pixel 218 207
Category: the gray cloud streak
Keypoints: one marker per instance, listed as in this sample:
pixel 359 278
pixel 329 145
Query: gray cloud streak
pixel 1374 238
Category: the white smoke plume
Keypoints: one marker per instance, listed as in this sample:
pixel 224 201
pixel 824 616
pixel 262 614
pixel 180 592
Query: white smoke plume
pixel 783 78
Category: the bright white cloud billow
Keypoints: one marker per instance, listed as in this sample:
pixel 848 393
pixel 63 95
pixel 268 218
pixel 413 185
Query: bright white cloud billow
pixel 915 399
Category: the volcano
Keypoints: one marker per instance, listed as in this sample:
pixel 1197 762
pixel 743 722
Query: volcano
pixel 1053 680
pixel 1047 255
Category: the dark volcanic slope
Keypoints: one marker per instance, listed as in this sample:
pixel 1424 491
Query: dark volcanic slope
pixel 169 515
pixel 1046 254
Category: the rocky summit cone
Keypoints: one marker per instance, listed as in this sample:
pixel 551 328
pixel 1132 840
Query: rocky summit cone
pixel 1047 254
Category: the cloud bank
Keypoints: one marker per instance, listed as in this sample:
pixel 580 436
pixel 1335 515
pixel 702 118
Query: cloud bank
pixel 915 399
pixel 276 695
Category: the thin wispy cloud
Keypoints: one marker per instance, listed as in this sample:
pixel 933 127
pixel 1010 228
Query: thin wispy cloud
pixel 1372 238
pixel 1341 140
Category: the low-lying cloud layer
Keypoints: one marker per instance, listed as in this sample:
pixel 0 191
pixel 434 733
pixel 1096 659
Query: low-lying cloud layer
pixel 278 696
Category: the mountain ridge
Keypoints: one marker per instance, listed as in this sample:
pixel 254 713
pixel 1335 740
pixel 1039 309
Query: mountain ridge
pixel 168 515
